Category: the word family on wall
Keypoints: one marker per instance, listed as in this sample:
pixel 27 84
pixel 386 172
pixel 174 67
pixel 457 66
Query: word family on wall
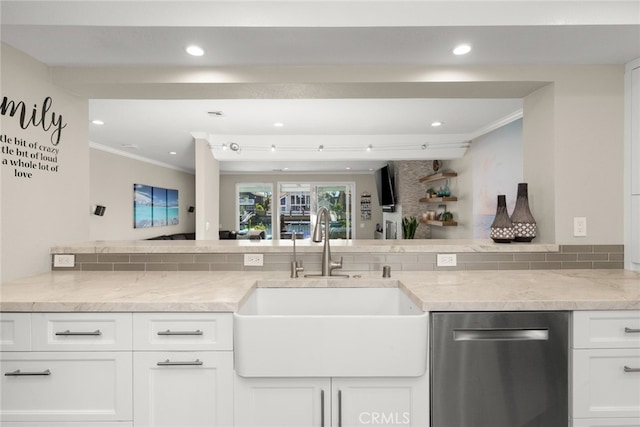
pixel 28 157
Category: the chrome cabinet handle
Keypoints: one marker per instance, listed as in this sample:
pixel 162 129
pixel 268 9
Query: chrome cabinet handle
pixel 170 332
pixel 500 334
pixel 628 369
pixel 167 362
pixel 339 408
pixel 631 331
pixel 19 373
pixel 321 408
pixel 69 333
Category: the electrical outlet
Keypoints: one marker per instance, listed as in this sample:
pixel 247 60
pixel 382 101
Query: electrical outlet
pixel 64 260
pixel 253 260
pixel 447 260
pixel 580 227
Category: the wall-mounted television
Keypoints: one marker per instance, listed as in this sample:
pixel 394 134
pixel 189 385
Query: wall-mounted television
pixel 386 188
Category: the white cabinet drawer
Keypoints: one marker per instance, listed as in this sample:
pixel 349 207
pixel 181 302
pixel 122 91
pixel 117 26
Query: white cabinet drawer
pixel 606 329
pixel 608 422
pixel 601 385
pixel 70 386
pixel 186 389
pixel 15 331
pixel 81 331
pixel 183 331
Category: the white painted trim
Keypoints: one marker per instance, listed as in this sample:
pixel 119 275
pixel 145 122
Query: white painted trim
pixel 516 115
pixel 136 157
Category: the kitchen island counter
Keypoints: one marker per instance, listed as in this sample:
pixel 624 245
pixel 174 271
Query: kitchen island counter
pixel 224 291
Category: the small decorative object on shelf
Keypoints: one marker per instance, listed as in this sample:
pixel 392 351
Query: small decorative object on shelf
pixel 502 230
pixel 409 226
pixel 523 222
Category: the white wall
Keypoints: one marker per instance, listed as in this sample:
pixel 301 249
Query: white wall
pixel 208 199
pixel 51 207
pixel 364 183
pixel 497 169
pixel 112 177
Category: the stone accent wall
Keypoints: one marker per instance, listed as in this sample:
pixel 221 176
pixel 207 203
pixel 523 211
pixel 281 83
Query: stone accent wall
pixel 569 257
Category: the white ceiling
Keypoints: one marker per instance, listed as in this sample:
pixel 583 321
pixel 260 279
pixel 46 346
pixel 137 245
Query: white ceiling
pixel 245 36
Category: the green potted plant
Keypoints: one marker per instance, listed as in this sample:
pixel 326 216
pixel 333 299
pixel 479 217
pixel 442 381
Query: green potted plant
pixel 409 226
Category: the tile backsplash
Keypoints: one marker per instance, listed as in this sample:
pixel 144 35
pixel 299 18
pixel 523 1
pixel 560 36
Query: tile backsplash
pixel 569 257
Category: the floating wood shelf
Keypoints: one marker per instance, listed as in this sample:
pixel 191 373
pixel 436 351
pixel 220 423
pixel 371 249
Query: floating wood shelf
pixel 438 176
pixel 437 223
pixel 438 199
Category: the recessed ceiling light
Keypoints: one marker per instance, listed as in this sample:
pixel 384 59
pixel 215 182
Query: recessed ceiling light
pixel 436 124
pixel 194 50
pixel 173 153
pixel 278 124
pixel 97 122
pixel 462 49
pixel 348 168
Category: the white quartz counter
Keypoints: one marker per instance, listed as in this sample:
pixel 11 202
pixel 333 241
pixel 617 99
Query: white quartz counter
pixel 278 246
pixel 225 291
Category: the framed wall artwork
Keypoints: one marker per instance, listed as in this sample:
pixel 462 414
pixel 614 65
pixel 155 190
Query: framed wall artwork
pixel 154 206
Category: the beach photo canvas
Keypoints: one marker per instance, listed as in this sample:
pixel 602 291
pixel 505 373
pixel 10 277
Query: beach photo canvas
pixel 154 206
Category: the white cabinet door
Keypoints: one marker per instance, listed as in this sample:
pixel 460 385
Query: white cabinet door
pixel 81 331
pixel 606 383
pixel 65 386
pixel 345 402
pixel 381 401
pixel 183 331
pixel 15 331
pixel 635 131
pixel 282 402
pixel 606 329
pixel 635 227
pixel 183 389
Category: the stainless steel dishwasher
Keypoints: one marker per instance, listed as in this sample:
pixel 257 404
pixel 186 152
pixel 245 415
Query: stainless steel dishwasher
pixel 499 369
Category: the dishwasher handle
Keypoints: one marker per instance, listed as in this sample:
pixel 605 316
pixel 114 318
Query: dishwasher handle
pixel 517 334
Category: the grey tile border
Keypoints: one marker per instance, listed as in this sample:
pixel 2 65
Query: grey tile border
pixel 609 248
pixel 608 265
pixel 203 266
pixel 145 258
pixel 121 258
pixel 549 265
pixel 529 257
pixel 576 248
pixel 97 266
pixel 514 266
pixel 129 267
pixel 570 256
pixel 577 265
pixel 162 267
pixel 561 257
pixel 593 257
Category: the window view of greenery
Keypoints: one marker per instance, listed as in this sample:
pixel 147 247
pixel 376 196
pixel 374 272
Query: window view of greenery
pixel 299 202
pixel 254 208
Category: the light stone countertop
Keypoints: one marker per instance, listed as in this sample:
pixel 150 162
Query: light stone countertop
pixel 278 246
pixel 225 291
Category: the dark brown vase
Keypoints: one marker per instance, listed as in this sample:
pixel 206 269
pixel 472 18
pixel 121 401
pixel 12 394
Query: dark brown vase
pixel 522 219
pixel 502 230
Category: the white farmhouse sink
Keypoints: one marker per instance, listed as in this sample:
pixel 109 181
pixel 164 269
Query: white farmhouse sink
pixel 330 332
